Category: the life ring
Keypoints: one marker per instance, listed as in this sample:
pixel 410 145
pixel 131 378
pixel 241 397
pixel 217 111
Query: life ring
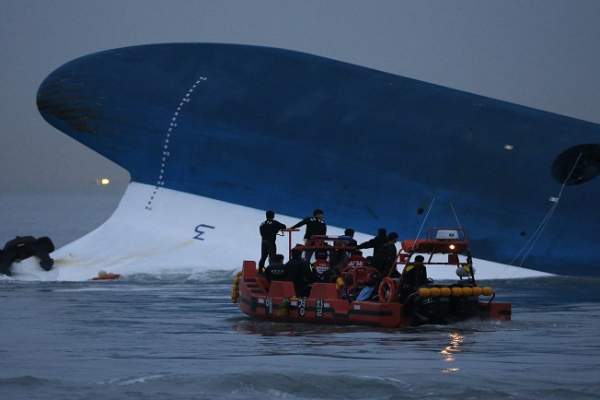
pixel 388 290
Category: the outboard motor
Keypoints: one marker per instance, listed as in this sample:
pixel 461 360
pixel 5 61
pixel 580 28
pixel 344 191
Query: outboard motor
pixel 431 310
pixel 23 247
pixel 463 307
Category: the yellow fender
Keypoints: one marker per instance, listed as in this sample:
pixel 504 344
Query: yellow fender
pixel 235 288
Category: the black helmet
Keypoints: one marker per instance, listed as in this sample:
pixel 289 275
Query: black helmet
pixel 349 232
pixel 317 212
pixel 419 258
pixel 270 214
pixel 381 232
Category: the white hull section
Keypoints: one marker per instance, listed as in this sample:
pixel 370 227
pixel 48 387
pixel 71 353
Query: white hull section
pixel 184 233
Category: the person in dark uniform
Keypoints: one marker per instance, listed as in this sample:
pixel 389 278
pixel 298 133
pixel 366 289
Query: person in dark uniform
pixel 315 225
pixel 299 272
pixel 268 233
pixel 340 257
pixel 276 270
pixel 386 255
pixel 414 276
pixel 22 247
pixel 349 237
pixel 376 243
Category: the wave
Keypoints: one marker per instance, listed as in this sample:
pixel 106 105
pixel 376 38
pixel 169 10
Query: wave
pixel 158 275
pixel 291 385
pixel 25 381
pixel 191 276
pixel 303 385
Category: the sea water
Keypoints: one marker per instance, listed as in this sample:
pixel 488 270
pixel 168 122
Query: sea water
pixel 179 337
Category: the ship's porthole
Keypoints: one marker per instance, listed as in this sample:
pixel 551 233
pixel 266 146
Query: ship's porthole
pixel 587 168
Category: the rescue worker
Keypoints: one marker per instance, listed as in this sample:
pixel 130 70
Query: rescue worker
pixel 414 276
pixel 466 270
pixel 299 272
pixel 322 272
pixel 22 247
pixel 348 236
pixel 276 270
pixel 315 225
pixel 340 257
pixel 386 254
pixel 268 232
pixel 376 243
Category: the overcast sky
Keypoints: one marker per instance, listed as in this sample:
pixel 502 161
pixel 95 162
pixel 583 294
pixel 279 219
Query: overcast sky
pixel 543 54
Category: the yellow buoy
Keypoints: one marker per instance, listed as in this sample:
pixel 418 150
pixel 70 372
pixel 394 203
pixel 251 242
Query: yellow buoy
pixel 467 291
pixel 476 291
pixel 487 291
pixel 445 291
pixel 424 292
pixel 456 291
pixel 434 291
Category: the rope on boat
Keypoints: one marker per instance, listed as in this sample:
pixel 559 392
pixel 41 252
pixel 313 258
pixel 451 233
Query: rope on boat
pixel 393 266
pixel 455 215
pixel 424 220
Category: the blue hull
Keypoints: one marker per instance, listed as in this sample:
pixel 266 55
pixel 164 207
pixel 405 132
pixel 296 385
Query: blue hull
pixel 271 128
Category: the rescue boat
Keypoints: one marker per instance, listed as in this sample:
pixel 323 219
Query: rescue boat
pixel 336 302
pixel 106 276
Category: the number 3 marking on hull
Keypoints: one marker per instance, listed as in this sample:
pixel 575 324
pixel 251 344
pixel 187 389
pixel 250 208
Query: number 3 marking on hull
pixel 199 230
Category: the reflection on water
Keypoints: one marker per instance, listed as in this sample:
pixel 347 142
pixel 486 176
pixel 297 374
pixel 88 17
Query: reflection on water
pixel 268 328
pixel 448 352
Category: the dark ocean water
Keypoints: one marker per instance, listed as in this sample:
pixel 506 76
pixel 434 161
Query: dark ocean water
pixel 179 337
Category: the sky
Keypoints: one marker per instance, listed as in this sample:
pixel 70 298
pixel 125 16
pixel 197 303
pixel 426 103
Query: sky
pixel 543 54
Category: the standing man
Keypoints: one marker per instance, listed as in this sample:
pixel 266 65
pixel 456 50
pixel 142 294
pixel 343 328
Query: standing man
pixel 315 225
pixel 386 256
pixel 268 233
pixel 376 243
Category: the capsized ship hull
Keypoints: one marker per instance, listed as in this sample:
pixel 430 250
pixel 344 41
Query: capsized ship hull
pixel 275 129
